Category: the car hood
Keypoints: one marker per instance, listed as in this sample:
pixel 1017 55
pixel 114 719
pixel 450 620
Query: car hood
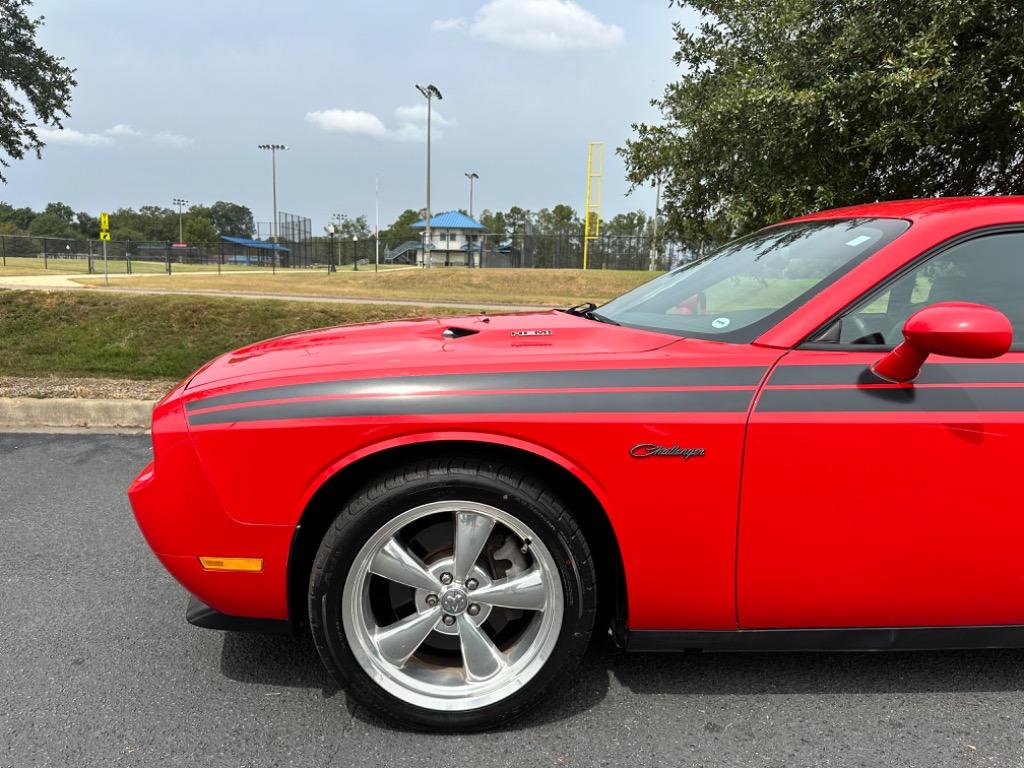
pixel 402 347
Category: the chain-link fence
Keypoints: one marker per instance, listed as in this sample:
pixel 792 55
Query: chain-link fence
pixel 302 251
pixel 31 254
pixel 525 250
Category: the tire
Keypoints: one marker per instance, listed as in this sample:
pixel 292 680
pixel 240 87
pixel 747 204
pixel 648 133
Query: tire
pixel 535 595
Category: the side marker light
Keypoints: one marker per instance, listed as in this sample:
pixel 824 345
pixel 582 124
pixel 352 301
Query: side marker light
pixel 245 564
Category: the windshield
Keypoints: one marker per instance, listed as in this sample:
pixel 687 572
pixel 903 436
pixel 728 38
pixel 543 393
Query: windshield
pixel 742 289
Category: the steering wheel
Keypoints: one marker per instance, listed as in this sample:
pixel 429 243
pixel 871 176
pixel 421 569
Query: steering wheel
pixel 859 327
pixel 896 332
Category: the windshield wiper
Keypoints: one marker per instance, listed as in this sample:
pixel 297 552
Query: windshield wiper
pixel 587 310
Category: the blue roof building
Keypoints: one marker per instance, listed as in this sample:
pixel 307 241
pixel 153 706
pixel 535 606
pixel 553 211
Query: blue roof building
pixel 450 220
pixel 455 240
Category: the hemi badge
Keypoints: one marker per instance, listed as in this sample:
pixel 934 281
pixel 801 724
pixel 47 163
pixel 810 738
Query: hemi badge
pixel 532 333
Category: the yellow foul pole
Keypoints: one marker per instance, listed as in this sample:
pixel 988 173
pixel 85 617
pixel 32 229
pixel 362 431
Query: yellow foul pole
pixel 592 209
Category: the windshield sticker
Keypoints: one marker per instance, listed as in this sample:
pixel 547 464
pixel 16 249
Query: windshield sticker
pixel 858 240
pixel 720 322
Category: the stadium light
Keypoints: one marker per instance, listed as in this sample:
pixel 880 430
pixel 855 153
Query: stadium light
pixel 430 93
pixel 471 176
pixel 180 202
pixel 273 148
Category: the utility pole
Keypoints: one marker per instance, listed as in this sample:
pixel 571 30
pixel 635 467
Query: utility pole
pixel 654 224
pixel 430 93
pixel 273 148
pixel 180 203
pixel 471 176
pixel 376 223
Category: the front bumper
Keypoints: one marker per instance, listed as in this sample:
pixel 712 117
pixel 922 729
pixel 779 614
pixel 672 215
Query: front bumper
pixel 182 519
pixel 199 614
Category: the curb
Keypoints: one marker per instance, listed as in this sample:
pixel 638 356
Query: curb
pixel 67 412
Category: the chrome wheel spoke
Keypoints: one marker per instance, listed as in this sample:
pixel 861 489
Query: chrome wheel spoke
pixel 525 591
pixel 481 658
pixel 396 563
pixel 431 560
pixel 471 532
pixel 400 640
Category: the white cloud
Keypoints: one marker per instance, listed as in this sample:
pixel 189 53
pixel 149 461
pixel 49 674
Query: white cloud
pixel 348 121
pixel 417 113
pixel 122 129
pixel 110 136
pixel 172 140
pixel 71 136
pixel 412 123
pixel 543 25
pixel 448 25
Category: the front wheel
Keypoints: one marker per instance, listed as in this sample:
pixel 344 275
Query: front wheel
pixel 452 595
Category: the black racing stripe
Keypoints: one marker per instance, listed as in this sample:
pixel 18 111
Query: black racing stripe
pixel 931 373
pixel 711 400
pixel 892 399
pixel 746 376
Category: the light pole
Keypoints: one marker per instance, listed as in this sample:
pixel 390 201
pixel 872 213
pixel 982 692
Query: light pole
pixel 331 230
pixel 430 93
pixel 273 169
pixel 355 256
pixel 471 176
pixel 376 224
pixel 180 203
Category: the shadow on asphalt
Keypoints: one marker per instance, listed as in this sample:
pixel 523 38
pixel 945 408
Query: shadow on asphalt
pixel 293 662
pixel 747 673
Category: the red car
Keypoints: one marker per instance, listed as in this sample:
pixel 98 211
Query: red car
pixel 805 440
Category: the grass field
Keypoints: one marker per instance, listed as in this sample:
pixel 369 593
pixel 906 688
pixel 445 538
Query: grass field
pixel 554 287
pixel 14 266
pixel 151 337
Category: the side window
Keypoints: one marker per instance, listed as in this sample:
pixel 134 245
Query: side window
pixel 986 270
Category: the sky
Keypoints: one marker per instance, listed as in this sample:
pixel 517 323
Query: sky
pixel 173 98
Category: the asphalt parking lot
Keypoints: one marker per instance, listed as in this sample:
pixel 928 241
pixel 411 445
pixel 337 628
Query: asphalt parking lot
pixel 98 667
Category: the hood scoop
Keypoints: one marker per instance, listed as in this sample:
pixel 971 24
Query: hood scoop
pixel 455 332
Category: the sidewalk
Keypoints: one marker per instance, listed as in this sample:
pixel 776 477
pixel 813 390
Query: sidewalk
pixel 65 282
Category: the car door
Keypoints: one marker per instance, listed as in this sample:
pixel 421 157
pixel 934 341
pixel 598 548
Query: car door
pixel 869 504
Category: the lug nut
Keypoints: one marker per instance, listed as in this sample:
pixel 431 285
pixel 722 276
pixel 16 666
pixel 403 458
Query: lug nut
pixel 448 619
pixel 431 600
pixel 446 578
pixel 473 609
pixel 472 584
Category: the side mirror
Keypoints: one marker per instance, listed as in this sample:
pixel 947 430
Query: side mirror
pixel 953 328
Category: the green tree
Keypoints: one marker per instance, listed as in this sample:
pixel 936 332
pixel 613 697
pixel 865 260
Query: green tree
pixel 232 219
pixel 632 224
pixel 494 222
pixel 149 223
pixel 787 106
pixel 20 218
pixel 347 227
pixel 199 229
pixel 30 78
pixel 88 225
pixel 52 225
pixel 560 231
pixel 560 220
pixel 401 228
pixel 57 220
